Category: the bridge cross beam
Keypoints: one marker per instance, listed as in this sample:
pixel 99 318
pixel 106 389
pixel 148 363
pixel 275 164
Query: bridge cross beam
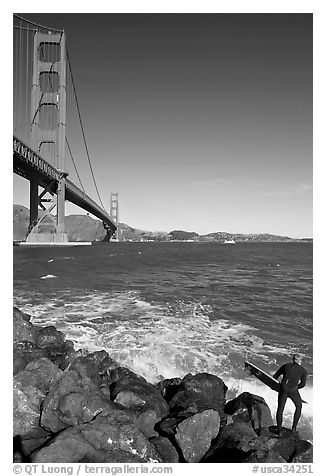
pixel 39 200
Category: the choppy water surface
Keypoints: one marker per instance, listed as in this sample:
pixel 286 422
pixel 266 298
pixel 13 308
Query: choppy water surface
pixel 167 309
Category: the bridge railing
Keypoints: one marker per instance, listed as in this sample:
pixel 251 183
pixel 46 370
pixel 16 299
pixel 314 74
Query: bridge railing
pixel 31 157
pixel 73 193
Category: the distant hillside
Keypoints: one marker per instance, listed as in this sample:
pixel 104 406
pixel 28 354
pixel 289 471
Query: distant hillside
pixel 78 227
pixel 182 235
pixel 85 228
pixel 21 222
pixel 239 237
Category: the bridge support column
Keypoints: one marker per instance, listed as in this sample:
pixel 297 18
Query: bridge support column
pixel 110 230
pixel 61 206
pixel 49 129
pixel 33 202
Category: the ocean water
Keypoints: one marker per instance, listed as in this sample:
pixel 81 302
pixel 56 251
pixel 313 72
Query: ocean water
pixel 167 309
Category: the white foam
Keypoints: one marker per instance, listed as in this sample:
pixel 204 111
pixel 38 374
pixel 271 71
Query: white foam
pixel 48 276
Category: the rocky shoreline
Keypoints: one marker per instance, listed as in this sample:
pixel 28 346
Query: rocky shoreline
pixel 74 406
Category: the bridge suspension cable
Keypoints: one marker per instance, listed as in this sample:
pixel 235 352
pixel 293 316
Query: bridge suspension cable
pixel 74 164
pixel 82 129
pixel 38 27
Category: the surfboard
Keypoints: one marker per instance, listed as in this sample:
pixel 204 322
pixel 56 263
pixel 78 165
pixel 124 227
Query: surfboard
pixel 264 377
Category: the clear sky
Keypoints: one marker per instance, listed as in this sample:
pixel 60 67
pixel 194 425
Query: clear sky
pixel 201 122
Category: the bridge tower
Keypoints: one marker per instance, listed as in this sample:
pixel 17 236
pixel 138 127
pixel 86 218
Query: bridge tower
pixel 48 135
pixel 114 213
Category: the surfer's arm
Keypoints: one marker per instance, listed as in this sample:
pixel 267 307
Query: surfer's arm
pixel 303 380
pixel 279 372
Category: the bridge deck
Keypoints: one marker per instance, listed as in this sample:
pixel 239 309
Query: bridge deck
pixel 28 163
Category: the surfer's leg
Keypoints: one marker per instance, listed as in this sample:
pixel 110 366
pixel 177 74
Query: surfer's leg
pixel 282 396
pixel 296 399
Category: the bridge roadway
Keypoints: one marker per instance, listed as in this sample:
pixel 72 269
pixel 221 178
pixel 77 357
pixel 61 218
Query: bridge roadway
pixel 28 164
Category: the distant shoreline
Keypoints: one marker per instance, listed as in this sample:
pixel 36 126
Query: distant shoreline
pixel 85 228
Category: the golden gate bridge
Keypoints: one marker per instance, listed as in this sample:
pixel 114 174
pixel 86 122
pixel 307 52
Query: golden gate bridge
pixel 46 113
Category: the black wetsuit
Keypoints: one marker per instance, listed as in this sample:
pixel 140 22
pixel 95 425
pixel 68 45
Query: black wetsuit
pixel 294 377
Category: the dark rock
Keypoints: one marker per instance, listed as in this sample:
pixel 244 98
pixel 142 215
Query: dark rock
pixel 235 443
pixel 18 314
pixel 119 373
pixel 146 422
pixel 204 390
pixel 38 373
pixel 286 444
pixel 111 438
pixel 61 355
pixel 195 434
pixel 19 455
pixel 26 410
pixel 48 336
pixel 103 361
pixel 96 365
pixel 72 400
pixel 305 456
pixel 31 444
pixel 23 330
pixel 168 426
pixel 105 389
pixel 169 387
pixel 139 395
pixel 302 447
pixel 254 406
pixel 86 368
pixel 165 449
pixel 267 456
pixel 23 353
pixel 55 347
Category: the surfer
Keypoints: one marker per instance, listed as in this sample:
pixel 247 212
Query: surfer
pixel 293 377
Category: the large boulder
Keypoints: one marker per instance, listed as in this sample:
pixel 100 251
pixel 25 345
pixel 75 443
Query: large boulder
pixel 205 391
pixel 23 330
pixel 107 439
pixel 49 335
pixel 96 365
pixel 288 444
pixel 303 450
pixel 303 455
pixel 135 393
pixel 146 422
pixel 72 400
pixel 29 445
pixel 55 347
pixel 27 402
pixel 195 434
pixel 38 373
pixel 118 373
pixel 23 353
pixel 249 407
pixel 235 443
